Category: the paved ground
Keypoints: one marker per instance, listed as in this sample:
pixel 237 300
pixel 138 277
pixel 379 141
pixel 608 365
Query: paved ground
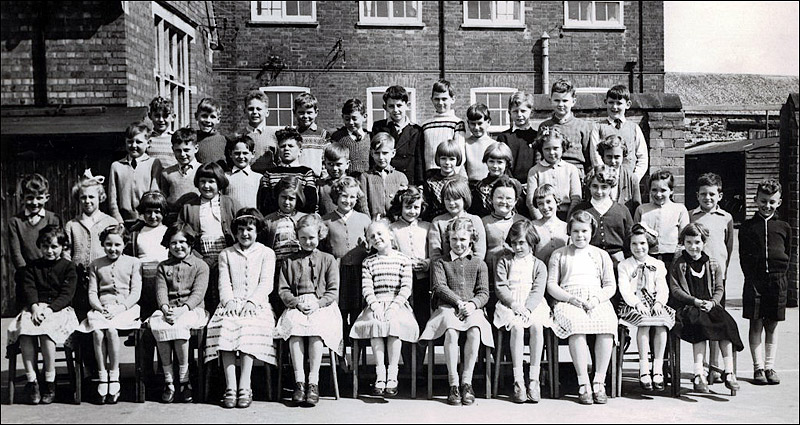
pixel 778 404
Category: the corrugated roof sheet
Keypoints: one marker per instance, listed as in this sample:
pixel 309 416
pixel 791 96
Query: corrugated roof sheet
pixel 737 146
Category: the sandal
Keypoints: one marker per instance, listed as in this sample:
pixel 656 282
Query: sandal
pixel 585 397
pixel 391 388
pixel 112 398
pixel 658 382
pixel 646 382
pixel 229 400
pixel 244 398
pixel 379 388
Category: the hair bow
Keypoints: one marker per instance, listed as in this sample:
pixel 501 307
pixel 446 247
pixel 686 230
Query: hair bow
pixel 88 175
pixel 650 231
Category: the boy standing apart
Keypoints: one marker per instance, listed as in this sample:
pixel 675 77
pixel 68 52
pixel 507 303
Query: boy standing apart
pixel 478 119
pixel 577 131
pixel 210 142
pixel 290 147
pixel 443 126
pixel 243 182
pixel 264 144
pixel 382 181
pixel 132 176
pixel 353 136
pixel 177 181
pixel 618 100
pixel 161 114
pixel 409 158
pixel 521 137
pixel 765 263
pixel 25 226
pixel 315 138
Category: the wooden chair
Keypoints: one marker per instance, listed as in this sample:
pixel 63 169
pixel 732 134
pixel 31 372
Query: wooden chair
pixel 197 341
pixel 487 366
pixel 499 361
pixel 357 354
pixel 671 360
pixel 611 378
pixel 71 358
pixel 674 342
pixel 330 362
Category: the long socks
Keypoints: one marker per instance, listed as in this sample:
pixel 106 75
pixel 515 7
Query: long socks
pixel 771 349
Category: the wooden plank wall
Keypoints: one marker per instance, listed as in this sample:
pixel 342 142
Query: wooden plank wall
pixel 760 163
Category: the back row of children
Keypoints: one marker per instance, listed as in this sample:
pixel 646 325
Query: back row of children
pixel 204 201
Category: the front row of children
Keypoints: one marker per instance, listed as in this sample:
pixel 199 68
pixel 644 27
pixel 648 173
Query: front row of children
pixel 579 277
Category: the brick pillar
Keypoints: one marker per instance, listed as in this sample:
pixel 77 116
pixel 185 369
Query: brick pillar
pixel 789 180
pixel 667 141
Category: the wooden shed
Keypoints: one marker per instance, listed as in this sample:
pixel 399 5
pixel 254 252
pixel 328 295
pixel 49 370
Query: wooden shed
pixel 59 143
pixel 741 164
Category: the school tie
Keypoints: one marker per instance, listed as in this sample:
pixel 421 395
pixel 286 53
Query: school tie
pixel 133 163
pixel 617 123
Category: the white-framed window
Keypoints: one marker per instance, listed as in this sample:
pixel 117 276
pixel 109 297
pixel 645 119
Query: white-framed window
pixel 375 111
pixel 594 14
pixel 494 14
pixel 281 102
pixel 283 11
pixel 394 13
pixel 496 99
pixel 172 38
pixel 593 90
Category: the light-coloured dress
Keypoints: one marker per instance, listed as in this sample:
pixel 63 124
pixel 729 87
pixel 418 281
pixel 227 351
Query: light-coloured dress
pixel 114 282
pixel 522 281
pixel 644 282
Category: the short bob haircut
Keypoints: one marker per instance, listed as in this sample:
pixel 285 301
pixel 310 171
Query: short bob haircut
pixel 381 140
pixel 211 170
pixel 246 217
pixel 500 150
pixel 450 148
pixel 179 228
pixel 545 190
pixel 34 184
pixel 523 228
pixel 611 142
pixel 313 220
pixel 50 232
pixel 184 135
pixel 478 111
pixel 638 229
pixel 457 189
pixel 603 174
pixel 342 184
pixel 506 181
pixel 152 200
pixel 293 184
pixel 406 197
pixel 769 187
pixel 582 217
pixel 115 229
pixel 694 229
pixel 662 175
pixel 463 223
pixel 547 134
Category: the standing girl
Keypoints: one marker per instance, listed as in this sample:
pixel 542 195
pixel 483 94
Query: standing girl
pixel 644 291
pixel 115 284
pixel 581 279
pixel 48 285
pixel 460 283
pixel 662 215
pixel 521 280
pixel 181 283
pixel 280 233
pixel 243 322
pixel 309 288
pixel 388 319
pixel 695 283
pixel 457 199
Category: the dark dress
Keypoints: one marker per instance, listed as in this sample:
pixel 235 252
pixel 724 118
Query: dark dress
pixel 693 324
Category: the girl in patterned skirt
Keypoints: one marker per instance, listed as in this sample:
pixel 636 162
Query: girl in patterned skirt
pixel 581 279
pixel 243 322
pixel 115 284
pixel 309 287
pixel 48 285
pixel 521 279
pixel 388 319
pixel 181 283
pixel 644 291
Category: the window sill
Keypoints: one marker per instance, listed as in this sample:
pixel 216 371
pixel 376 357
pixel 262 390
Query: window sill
pixel 309 24
pixel 496 27
pixel 389 25
pixel 571 27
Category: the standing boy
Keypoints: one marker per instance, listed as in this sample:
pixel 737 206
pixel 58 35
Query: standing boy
pixel 409 158
pixel 211 143
pixel 337 162
pixel 618 100
pixel 264 143
pixel 177 181
pixel 578 132
pixel 443 126
pixel 765 263
pixel 290 148
pixel 315 138
pixel 353 136
pixel 521 137
pixel 161 114
pixel 478 119
pixel 381 182
pixel 243 182
pixel 133 175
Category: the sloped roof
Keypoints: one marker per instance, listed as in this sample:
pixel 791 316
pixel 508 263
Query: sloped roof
pixel 705 89
pixel 87 120
pixel 737 146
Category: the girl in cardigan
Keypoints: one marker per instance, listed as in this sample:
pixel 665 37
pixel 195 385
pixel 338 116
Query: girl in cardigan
pixel 551 230
pixel 115 284
pixel 460 283
pixel 280 233
pixel 695 283
pixel 309 287
pixel 581 279
pixel 48 285
pixel 346 241
pixel 146 238
pixel 499 161
pixel 181 283
pixel 521 280
pixel 644 291
pixel 505 195
pixel 210 216
pixel 243 322
pixel 388 319
pixel 457 199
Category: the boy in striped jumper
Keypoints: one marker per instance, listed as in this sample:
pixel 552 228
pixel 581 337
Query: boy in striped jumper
pixel 315 138
pixel 443 126
pixel 290 146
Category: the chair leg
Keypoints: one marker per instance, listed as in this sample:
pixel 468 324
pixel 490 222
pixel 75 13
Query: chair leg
pixel 614 371
pixel 334 373
pixel 487 371
pixel 733 392
pixel 280 369
pixel 431 357
pixel 12 371
pixel 413 371
pixel 356 356
pixel 620 359
pixel 201 366
pixel 556 378
pixel 498 358
pixel 138 359
pixel 675 363
pixel 73 376
pixel 268 376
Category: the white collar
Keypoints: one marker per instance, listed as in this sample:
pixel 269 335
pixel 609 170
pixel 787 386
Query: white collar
pixel 466 254
pixel 603 205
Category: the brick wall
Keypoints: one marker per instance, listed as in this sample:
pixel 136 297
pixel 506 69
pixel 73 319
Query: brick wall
pixel 790 117
pixel 473 57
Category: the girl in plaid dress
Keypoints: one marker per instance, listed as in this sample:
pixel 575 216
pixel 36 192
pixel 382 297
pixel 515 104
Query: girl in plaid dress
pixel 243 322
pixel 644 291
pixel 581 279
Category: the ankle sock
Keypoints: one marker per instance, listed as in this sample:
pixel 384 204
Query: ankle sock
pixel 31 376
pixel 534 372
pixel 770 349
pixel 380 372
pixel 658 366
pixel 168 373
pixel 519 375
pixel 757 351
pixel 183 373
pixel 113 387
pixel 299 376
pixel 599 378
pixel 452 378
pixel 102 387
pixel 466 377
pixel 391 373
pixel 698 369
pixel 50 376
pixel 313 377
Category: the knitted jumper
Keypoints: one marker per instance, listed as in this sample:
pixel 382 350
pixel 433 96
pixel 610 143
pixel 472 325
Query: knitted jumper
pixel 386 278
pixel 463 279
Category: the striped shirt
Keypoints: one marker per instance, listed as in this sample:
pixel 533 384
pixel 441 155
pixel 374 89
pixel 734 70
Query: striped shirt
pixel 439 129
pixel 315 139
pixel 386 278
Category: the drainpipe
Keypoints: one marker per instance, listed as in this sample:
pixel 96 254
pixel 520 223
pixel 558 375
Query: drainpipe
pixel 545 63
pixel 641 47
pixel 441 39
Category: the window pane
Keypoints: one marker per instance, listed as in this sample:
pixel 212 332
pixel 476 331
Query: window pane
pixel 574 14
pixel 517 11
pixel 600 12
pixel 411 10
pixel 398 9
pixel 472 9
pixel 612 11
pixel 284 118
pixel 585 11
pixel 485 10
pixel 305 8
pixel 292 8
pixel 383 9
pixel 272 119
pixel 284 100
pixel 505 10
pixel 272 98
